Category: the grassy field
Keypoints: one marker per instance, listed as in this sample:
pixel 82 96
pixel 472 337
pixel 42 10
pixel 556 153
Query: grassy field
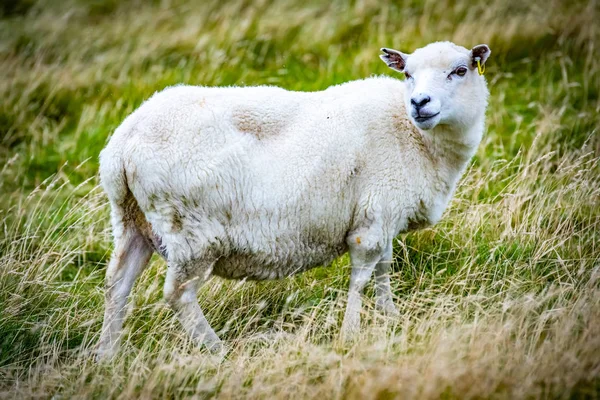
pixel 499 300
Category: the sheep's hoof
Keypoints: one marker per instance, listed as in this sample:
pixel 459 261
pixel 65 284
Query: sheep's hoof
pixel 215 347
pixel 218 351
pixel 103 354
pixel 388 308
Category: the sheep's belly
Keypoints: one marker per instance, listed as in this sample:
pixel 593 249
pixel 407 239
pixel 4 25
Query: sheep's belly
pixel 278 263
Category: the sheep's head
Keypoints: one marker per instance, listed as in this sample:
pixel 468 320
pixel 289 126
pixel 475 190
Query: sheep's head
pixel 443 84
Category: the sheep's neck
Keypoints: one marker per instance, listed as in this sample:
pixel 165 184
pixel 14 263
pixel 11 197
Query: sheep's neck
pixel 450 150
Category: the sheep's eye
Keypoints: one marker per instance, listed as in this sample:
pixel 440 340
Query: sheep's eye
pixel 407 75
pixel 461 71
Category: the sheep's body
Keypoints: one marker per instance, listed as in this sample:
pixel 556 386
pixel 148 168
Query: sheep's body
pixel 262 183
pixel 271 180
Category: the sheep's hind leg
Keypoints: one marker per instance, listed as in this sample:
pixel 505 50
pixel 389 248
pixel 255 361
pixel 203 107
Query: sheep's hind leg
pixel 181 285
pixel 385 302
pixel 131 254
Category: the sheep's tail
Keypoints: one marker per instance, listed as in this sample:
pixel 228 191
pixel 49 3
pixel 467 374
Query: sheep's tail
pixel 112 174
pixel 125 212
pixel 113 179
pixel 113 158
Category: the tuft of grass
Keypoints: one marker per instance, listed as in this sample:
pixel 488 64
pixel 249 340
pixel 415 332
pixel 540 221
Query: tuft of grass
pixel 499 300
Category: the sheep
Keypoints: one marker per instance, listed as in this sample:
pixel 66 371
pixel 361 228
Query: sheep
pixel 263 183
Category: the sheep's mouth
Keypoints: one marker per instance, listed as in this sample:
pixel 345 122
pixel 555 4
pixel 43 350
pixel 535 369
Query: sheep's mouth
pixel 423 118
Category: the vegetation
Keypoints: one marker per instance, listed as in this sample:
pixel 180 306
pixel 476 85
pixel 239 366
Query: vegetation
pixel 499 300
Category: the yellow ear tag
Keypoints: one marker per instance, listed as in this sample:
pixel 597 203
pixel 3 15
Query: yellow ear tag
pixel 480 68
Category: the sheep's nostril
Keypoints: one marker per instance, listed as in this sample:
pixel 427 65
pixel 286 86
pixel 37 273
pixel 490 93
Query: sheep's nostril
pixel 420 101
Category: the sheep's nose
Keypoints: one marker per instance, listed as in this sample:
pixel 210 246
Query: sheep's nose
pixel 420 100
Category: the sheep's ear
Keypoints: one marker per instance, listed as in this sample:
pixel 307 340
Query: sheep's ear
pixel 480 52
pixel 394 59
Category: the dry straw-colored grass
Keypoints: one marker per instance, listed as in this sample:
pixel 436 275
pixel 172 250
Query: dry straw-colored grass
pixel 500 300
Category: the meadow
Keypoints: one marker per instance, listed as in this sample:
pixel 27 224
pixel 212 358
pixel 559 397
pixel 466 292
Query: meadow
pixel 500 300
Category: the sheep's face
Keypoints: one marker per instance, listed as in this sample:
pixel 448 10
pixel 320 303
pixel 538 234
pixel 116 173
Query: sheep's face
pixel 443 85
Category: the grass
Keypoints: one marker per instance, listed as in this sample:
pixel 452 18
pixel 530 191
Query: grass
pixel 499 300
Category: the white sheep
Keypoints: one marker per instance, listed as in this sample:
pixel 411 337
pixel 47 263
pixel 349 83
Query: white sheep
pixel 263 183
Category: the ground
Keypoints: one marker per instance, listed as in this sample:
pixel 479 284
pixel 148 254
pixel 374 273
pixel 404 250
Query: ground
pixel 501 299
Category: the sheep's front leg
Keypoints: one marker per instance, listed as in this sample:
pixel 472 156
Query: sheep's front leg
pixel 385 302
pixel 366 251
pixel 181 284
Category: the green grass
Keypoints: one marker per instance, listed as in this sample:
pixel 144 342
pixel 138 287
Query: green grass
pixel 499 300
